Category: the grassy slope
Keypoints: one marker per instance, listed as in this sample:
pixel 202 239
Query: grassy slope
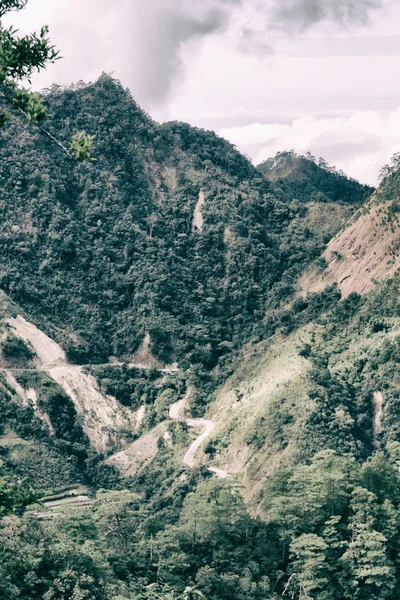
pixel 264 410
pixel 366 250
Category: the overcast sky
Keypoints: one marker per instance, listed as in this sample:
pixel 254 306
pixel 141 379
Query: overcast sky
pixel 269 75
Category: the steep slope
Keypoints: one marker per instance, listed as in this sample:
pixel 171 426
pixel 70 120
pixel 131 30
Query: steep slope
pixel 366 251
pixel 324 198
pixel 320 376
pixel 170 240
pixel 103 417
pixel 103 254
pixel 328 384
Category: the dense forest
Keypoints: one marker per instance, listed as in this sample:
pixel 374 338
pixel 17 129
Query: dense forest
pixel 106 249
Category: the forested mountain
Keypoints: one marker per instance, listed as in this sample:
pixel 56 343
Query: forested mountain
pixel 306 179
pixel 108 250
pixel 198 389
pixel 119 231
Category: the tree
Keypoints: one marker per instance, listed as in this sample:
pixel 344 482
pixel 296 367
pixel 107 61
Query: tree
pixel 310 578
pixel 81 146
pixel 214 510
pixel 14 495
pixel 20 58
pixel 391 168
pixel 118 516
pixel 70 585
pixel 189 593
pixel 368 570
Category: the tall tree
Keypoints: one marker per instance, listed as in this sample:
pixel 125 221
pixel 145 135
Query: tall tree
pixel 368 570
pixel 310 577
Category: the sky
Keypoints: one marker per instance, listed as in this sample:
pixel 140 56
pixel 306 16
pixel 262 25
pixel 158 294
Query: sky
pixel 268 75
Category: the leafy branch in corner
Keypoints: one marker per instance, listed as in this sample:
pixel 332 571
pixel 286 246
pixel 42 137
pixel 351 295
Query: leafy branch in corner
pixel 20 57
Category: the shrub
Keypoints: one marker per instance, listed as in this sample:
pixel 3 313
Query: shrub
pixel 14 348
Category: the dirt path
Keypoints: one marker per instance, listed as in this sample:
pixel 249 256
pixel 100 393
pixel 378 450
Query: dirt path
pixel 208 427
pixel 166 371
pixel 175 412
pixel 218 472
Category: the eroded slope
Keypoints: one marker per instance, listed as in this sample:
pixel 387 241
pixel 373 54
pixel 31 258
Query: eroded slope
pixel 366 251
pixel 104 419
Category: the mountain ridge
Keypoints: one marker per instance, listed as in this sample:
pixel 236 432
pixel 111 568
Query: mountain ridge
pixel 306 179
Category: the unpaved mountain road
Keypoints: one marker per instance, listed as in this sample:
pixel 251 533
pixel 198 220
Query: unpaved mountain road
pixel 175 412
pixel 45 368
pixel 176 408
pixel 103 415
pixel 208 426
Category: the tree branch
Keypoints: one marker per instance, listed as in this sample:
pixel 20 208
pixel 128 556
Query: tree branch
pixel 21 110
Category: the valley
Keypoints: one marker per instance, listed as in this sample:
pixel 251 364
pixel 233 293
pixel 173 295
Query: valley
pixel 198 366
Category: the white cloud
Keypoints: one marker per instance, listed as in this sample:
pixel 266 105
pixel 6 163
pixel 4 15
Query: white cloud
pixel 359 143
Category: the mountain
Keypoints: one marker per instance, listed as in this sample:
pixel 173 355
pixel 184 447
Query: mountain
pixel 198 368
pixel 306 179
pixel 104 253
pixel 121 236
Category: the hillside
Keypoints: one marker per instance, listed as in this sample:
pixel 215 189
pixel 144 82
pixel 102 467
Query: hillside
pixel 107 254
pixel 306 179
pixel 198 366
pixel 364 252
pixel 325 198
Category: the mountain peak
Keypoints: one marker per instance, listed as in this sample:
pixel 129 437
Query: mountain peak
pixel 305 178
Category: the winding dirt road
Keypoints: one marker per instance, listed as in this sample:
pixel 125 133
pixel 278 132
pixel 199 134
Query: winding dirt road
pixel 175 412
pixel 208 426
pixel 103 415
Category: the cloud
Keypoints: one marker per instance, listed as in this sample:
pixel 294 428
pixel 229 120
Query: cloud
pixel 155 34
pixel 146 42
pixel 300 15
pixel 160 31
pixel 297 16
pixel 359 143
pixel 254 41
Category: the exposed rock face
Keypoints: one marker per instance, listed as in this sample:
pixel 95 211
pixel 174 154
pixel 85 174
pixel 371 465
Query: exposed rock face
pixel 198 220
